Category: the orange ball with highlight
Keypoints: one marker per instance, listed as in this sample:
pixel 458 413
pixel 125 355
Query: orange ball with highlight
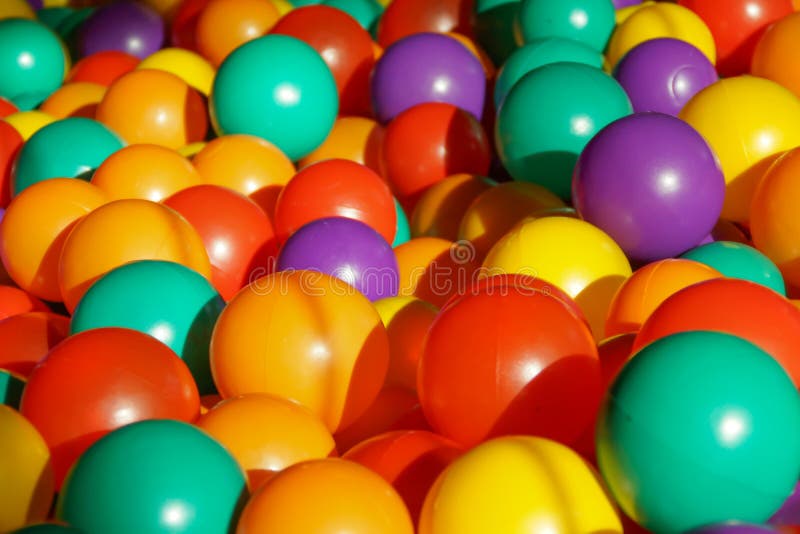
pixel 224 25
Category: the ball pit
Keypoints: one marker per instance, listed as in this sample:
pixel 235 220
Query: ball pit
pixel 473 248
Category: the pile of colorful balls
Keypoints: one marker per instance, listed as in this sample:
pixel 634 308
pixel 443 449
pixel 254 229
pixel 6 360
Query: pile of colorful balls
pixel 398 266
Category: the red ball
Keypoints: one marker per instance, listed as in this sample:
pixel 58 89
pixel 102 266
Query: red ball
pixel 7 108
pixel 429 142
pixel 738 307
pixel 99 380
pixel 405 17
pixel 237 234
pixel 14 301
pixel 345 47
pixel 737 25
pixel 509 362
pixel 409 460
pixel 103 68
pixel 10 145
pixel 335 188
pixel 28 337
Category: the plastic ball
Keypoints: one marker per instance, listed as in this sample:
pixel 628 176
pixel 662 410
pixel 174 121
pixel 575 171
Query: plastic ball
pixel 35 228
pixel 345 249
pixel 74 100
pixel 407 17
pixel 789 512
pixel 149 172
pixel 365 12
pixel 156 107
pixel 746 120
pixel 267 434
pixel 11 386
pixel 656 20
pixel 278 337
pixel 129 230
pixel 499 209
pixel 7 108
pixel 355 139
pixel 658 204
pixel 409 460
pixel 515 484
pixel 736 417
pixel 442 206
pixel 407 320
pixel 237 234
pixel 100 380
pixel 27 123
pixel 186 482
pixel 738 307
pixel 28 337
pixel 772 58
pixel 737 260
pixel 47 528
pixel 17 9
pixel 494 24
pixel 589 22
pixel 423 68
pixel 345 47
pixel 103 68
pixel 183 26
pixel 737 26
pixel 771 216
pixel 10 145
pixel 224 25
pixel 734 527
pixel 664 74
pixel 427 143
pixel 548 118
pixel 335 188
pixel 539 53
pixel 125 26
pixel 27 489
pixel 185 64
pixel 402 231
pixel 166 300
pixel 14 301
pixel 250 165
pixel 648 287
pixel 279 88
pixel 33 62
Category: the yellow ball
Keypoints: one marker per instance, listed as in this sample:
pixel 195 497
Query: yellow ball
pixel 518 484
pixel 661 20
pixel 191 150
pixel 28 123
pixel 16 9
pixel 624 13
pixel 748 121
pixel 185 64
pixel 283 6
pixel 27 486
pixel 577 257
pixel 165 8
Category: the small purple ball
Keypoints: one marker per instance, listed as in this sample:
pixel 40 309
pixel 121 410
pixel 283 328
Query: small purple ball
pixel 427 67
pixel 734 528
pixel 36 4
pixel 652 183
pixel 789 513
pixel 619 4
pixel 124 26
pixel 346 249
pixel 664 74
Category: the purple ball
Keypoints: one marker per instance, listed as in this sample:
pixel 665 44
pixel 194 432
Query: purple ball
pixel 664 74
pixel 734 528
pixel 427 67
pixel 346 249
pixel 652 183
pixel 789 513
pixel 619 4
pixel 124 26
pixel 36 4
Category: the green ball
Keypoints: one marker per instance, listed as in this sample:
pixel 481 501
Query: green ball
pixel 154 477
pixel 69 29
pixel 549 116
pixel 47 528
pixel 278 88
pixel 366 12
pixel 540 53
pixel 402 232
pixel 11 387
pixel 494 27
pixel 33 62
pixel 168 301
pixel 700 428
pixel 587 21
pixel 736 260
pixel 67 148
pixel 52 17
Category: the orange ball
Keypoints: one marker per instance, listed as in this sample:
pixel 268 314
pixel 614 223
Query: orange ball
pixel 775 56
pixel 441 208
pixel 224 25
pixel 434 269
pixel 336 188
pixel 330 495
pixel 267 434
pixel 497 210
pixel 353 138
pixel 26 338
pixel 124 231
pixel 78 99
pixel 36 226
pixel 149 172
pixel 648 287
pixel 153 106
pixel 305 336
pixel 250 165
pixel 102 68
pixel 14 301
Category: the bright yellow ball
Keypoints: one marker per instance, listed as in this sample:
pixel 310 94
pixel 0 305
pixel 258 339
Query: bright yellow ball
pixel 28 123
pixel 185 64
pixel 16 9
